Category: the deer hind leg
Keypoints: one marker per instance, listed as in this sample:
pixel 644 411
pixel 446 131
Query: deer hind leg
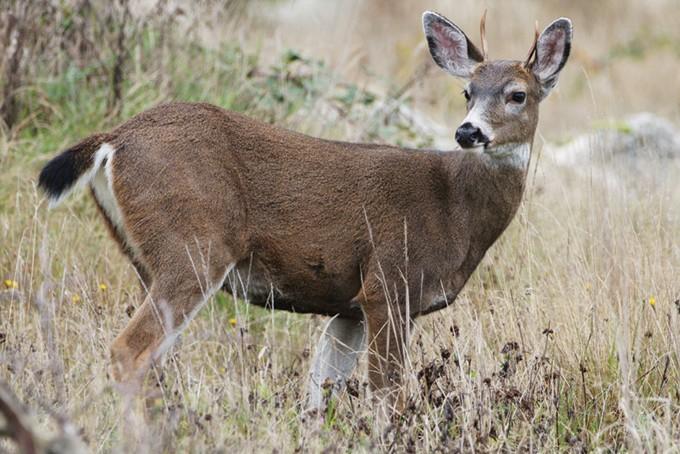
pixel 176 295
pixel 341 343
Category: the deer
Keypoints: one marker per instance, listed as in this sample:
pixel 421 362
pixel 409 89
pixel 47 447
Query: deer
pixel 201 199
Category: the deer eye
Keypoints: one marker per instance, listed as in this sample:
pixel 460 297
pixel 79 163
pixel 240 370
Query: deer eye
pixel 466 94
pixel 518 97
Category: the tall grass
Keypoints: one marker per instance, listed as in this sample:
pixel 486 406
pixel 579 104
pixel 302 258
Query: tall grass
pixel 566 337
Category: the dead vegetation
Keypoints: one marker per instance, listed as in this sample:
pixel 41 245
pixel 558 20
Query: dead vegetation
pixel 566 338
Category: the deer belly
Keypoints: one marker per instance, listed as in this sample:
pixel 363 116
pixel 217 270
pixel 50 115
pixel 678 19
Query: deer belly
pixel 324 295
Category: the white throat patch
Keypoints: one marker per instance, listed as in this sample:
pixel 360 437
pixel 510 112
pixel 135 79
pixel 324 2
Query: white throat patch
pixel 512 155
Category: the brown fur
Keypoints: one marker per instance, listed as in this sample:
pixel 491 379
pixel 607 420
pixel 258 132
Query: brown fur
pixel 361 231
pixel 234 190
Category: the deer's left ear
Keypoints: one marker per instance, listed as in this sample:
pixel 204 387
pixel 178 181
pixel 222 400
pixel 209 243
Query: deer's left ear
pixel 551 53
pixel 451 50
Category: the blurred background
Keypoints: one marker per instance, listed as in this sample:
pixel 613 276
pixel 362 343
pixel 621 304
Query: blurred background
pixel 564 339
pixel 624 57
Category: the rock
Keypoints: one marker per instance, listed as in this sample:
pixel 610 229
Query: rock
pixel 640 136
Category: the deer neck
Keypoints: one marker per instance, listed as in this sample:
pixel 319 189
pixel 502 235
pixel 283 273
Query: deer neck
pixel 493 188
pixel 509 156
pixel 485 191
pixel 506 170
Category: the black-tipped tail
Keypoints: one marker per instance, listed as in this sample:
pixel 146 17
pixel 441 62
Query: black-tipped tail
pixel 60 174
pixel 63 172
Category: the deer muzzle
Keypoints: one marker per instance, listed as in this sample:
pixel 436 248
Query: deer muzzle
pixel 470 136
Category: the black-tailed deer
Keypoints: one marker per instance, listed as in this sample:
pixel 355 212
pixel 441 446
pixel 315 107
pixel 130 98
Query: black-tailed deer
pixel 200 199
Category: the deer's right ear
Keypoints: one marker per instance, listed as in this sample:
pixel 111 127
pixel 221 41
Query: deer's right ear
pixel 551 53
pixel 449 47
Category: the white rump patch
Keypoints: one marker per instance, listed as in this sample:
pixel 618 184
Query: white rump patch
pixel 102 187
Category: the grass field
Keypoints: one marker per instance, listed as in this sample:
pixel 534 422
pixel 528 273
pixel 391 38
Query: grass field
pixel 566 338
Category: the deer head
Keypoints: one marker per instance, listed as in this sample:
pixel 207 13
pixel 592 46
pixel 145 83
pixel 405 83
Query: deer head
pixel 502 95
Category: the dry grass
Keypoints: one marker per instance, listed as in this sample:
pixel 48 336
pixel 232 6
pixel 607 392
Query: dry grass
pixel 554 342
pixel 566 337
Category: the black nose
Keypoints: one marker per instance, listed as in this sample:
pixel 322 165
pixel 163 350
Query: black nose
pixel 469 136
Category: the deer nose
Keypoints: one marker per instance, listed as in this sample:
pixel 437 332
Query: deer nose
pixel 468 135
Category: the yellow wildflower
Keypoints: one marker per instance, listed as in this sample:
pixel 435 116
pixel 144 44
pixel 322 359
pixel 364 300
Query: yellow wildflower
pixel 652 302
pixel 75 299
pixel 103 287
pixel 232 321
pixel 9 283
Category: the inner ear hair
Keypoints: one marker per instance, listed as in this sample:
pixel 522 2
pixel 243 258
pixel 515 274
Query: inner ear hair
pixel 443 47
pixel 545 55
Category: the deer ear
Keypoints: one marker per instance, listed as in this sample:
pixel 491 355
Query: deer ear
pixel 449 47
pixel 552 51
